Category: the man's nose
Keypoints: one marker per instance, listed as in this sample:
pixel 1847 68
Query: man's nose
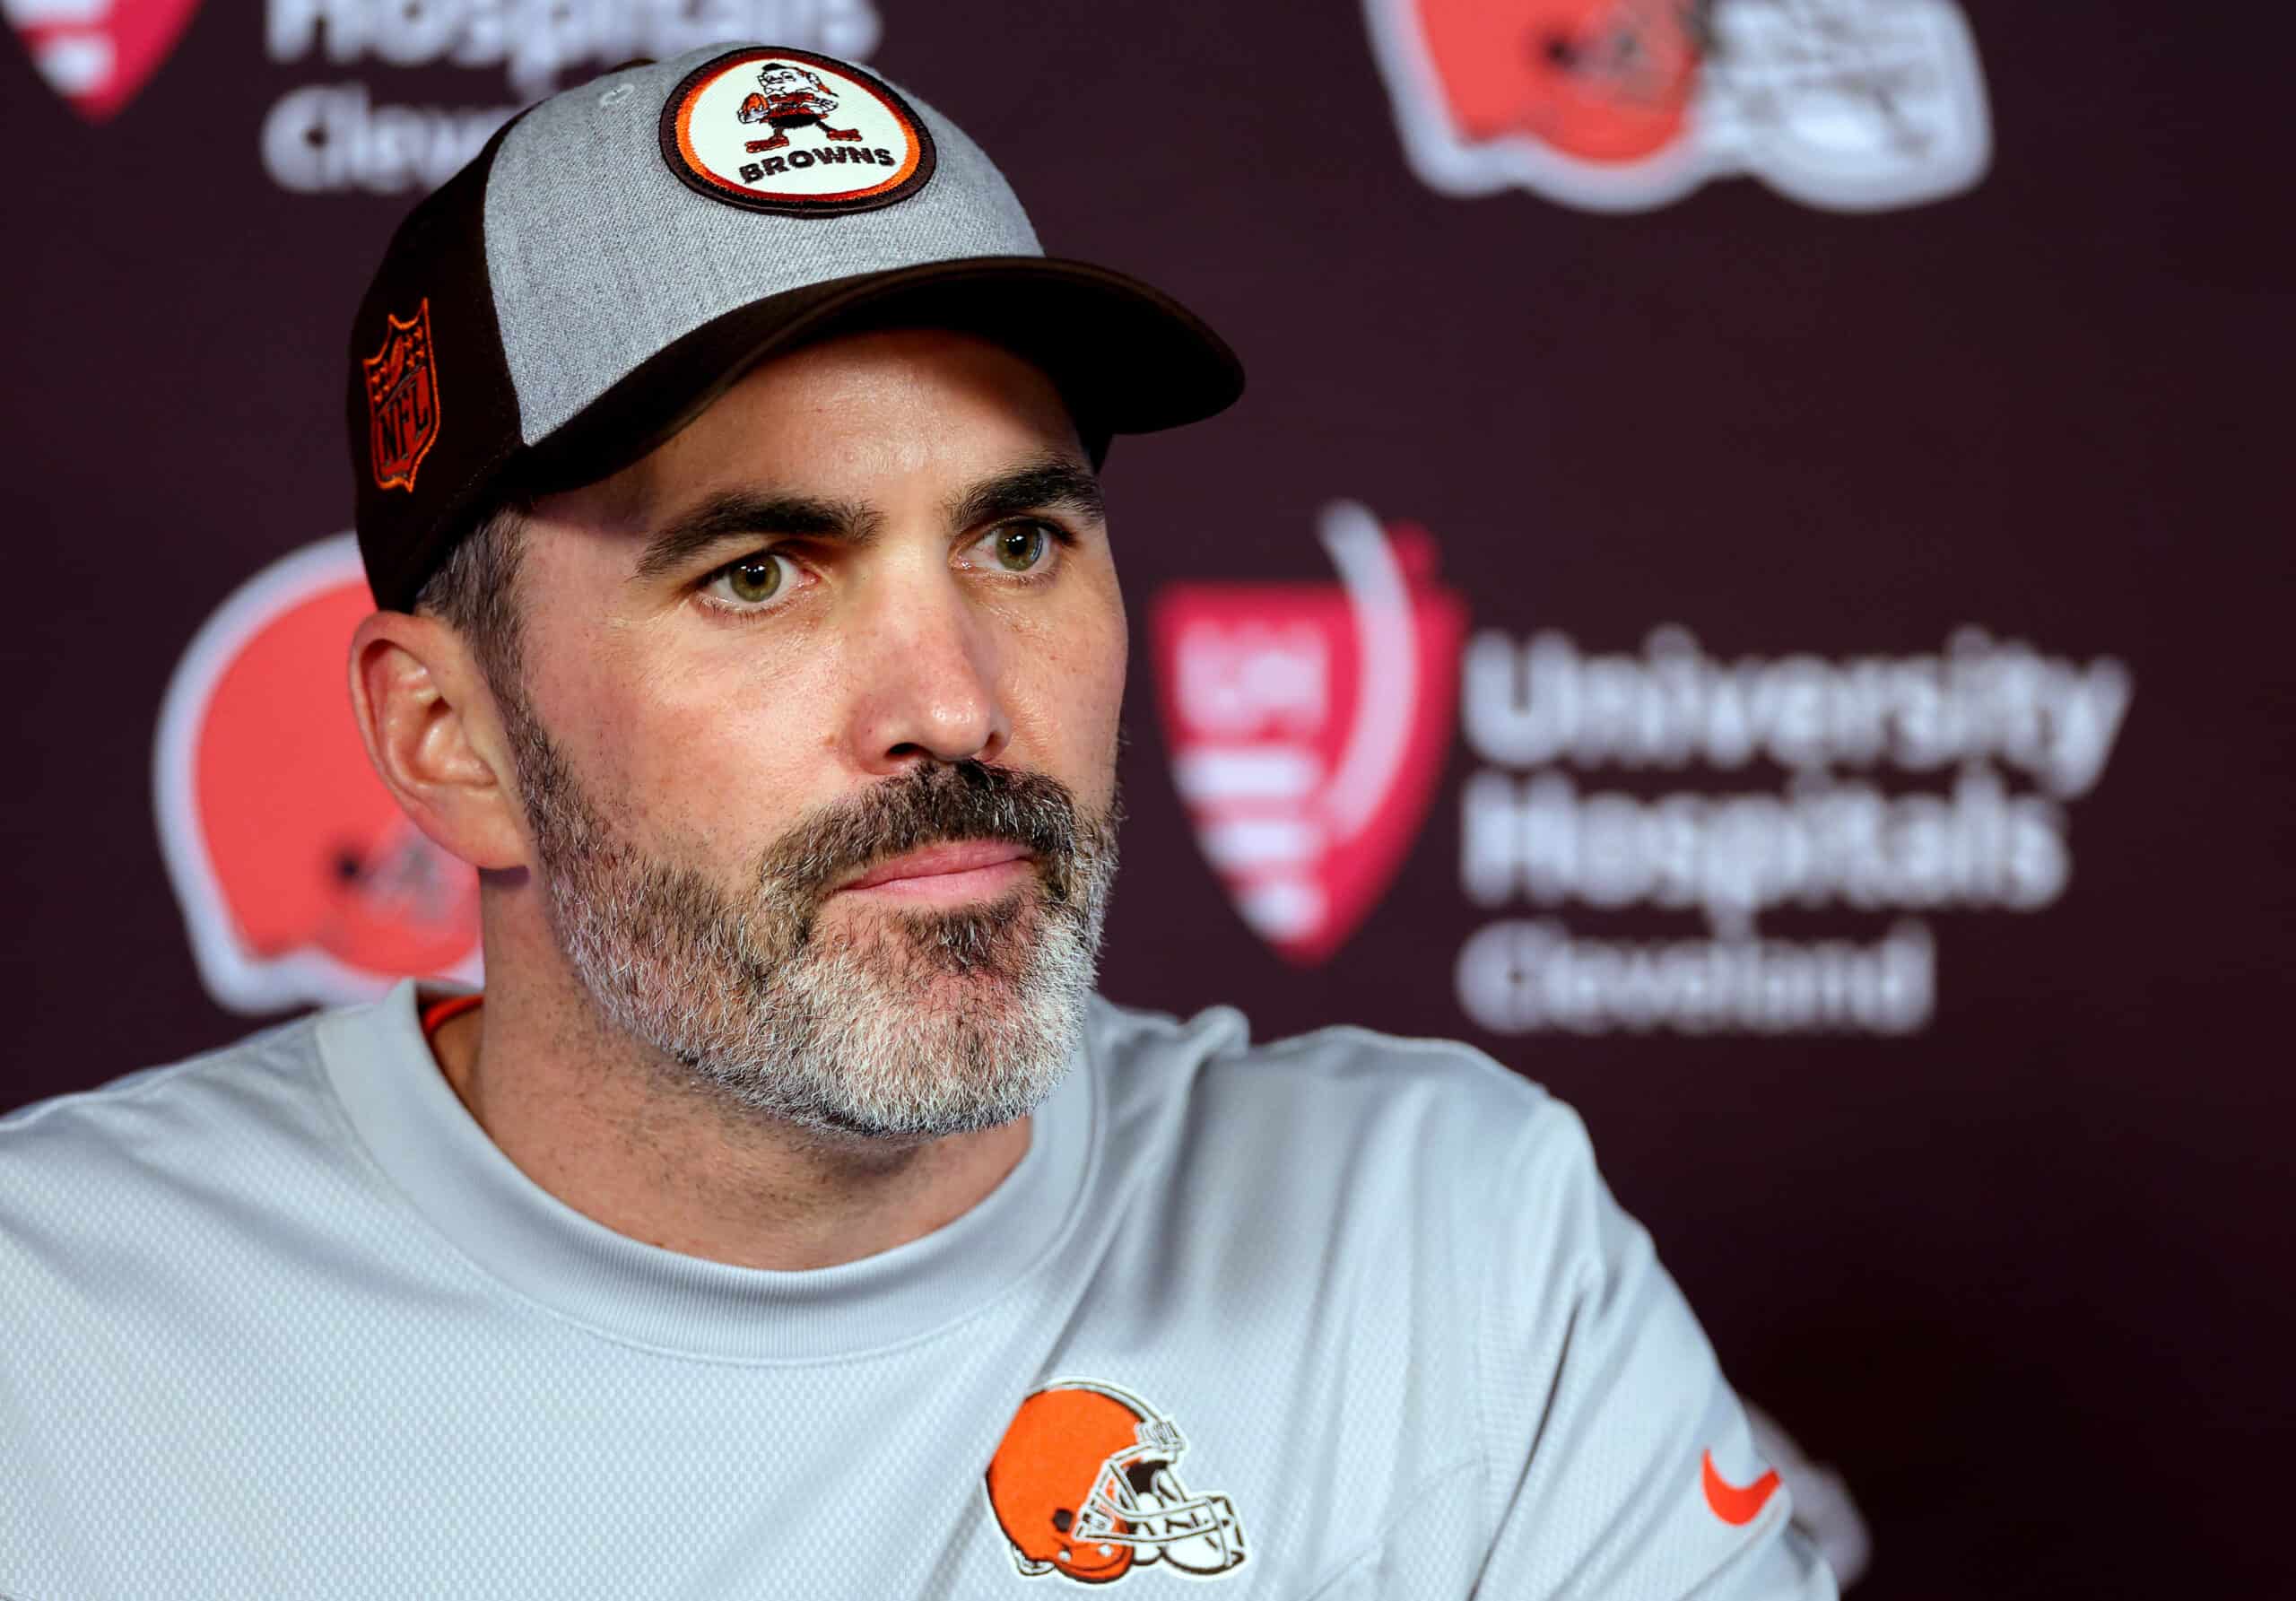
pixel 927 668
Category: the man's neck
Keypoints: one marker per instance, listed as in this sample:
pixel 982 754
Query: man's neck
pixel 579 1111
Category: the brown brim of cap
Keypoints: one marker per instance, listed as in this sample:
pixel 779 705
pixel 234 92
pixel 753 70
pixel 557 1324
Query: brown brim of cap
pixel 1127 358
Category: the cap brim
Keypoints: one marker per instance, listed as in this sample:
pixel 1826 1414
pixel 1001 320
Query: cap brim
pixel 1127 358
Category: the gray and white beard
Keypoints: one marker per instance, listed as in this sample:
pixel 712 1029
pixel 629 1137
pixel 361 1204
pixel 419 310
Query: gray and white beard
pixel 901 1024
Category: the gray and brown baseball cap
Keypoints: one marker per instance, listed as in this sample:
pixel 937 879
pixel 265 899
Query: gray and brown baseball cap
pixel 619 254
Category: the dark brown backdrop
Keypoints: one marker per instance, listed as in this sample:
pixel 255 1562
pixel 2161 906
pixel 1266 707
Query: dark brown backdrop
pixel 2022 1275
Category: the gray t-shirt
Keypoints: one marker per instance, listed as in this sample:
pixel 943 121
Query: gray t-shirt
pixel 1341 1317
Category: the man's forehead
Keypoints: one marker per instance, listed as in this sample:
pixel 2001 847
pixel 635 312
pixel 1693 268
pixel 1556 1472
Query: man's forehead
pixel 843 418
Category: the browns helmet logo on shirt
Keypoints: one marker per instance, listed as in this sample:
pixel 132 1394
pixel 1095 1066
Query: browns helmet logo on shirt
pixel 301 880
pixel 1086 1484
pixel 1309 724
pixel 1622 105
pixel 97 54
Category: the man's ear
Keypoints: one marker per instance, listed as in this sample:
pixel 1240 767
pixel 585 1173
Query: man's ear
pixel 432 732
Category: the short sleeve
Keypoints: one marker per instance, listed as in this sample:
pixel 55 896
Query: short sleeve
pixel 1621 1465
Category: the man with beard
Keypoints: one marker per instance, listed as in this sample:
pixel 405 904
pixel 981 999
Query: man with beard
pixel 788 1216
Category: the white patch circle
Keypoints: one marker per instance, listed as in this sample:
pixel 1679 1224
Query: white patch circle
pixel 793 132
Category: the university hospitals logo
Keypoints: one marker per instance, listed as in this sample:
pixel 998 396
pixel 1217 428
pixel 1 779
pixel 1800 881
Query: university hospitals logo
pixel 1308 725
pixel 1632 820
pixel 302 881
pixel 1623 105
pixel 98 53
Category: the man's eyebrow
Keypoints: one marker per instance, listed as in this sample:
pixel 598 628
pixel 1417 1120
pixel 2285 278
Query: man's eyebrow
pixel 1038 485
pixel 750 514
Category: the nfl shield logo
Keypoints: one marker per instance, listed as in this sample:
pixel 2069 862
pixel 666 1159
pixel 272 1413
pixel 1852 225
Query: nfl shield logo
pixel 1309 723
pixel 402 401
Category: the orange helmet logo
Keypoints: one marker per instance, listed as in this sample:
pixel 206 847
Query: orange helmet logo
pixel 1086 1484
pixel 1622 105
pixel 1596 79
pixel 302 881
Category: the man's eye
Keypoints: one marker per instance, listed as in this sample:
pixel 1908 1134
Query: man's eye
pixel 1020 547
pixel 750 581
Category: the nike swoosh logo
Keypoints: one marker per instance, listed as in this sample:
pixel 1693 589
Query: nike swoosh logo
pixel 1731 1503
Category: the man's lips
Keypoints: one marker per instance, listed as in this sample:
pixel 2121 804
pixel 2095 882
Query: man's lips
pixel 959 871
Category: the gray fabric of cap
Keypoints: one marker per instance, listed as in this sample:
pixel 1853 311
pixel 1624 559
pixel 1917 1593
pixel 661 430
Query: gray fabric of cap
pixel 601 260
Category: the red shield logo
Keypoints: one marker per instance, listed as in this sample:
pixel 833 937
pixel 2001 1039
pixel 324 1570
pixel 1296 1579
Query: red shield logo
pixel 301 880
pixel 97 55
pixel 1309 723
pixel 402 400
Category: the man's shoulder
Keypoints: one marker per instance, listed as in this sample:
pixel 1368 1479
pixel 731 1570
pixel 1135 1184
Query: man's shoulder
pixel 1213 1050
pixel 1330 1092
pixel 172 1122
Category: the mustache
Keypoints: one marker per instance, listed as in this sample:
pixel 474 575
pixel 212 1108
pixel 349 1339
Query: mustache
pixel 937 803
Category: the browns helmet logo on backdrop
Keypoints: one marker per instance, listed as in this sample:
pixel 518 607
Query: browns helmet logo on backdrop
pixel 97 55
pixel 1309 723
pixel 1623 105
pixel 301 880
